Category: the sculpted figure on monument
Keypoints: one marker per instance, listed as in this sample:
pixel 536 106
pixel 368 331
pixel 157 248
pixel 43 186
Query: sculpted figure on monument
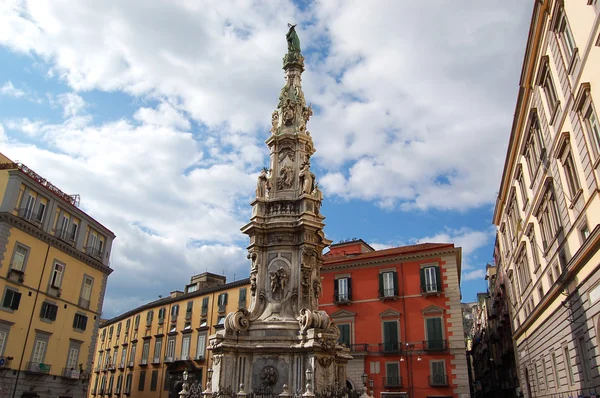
pixel 319 196
pixel 292 39
pixel 286 177
pixel 306 179
pixel 288 112
pixel 263 184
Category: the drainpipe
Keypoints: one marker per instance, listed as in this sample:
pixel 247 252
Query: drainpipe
pixel 37 293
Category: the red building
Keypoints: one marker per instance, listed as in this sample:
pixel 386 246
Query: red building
pixel 399 312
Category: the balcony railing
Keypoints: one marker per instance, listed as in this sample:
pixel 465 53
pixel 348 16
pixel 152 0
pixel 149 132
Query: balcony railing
pixel 359 347
pixel 435 345
pixel 199 357
pixel 438 380
pixel 16 275
pixel 94 252
pixel 387 293
pixel 70 373
pixel 37 367
pixel 341 298
pixel 65 234
pixel 84 303
pixel 144 362
pixel 121 365
pixel 130 364
pixel 430 288
pixel 30 216
pixel 390 347
pixel 394 381
pixel 156 361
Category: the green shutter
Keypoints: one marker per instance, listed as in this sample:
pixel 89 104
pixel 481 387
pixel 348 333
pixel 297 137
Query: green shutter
pixel 53 311
pixel 390 336
pixel 438 279
pixel 381 285
pixel 434 333
pixel 43 311
pixel 422 273
pixel 349 288
pixel 395 279
pixel 225 298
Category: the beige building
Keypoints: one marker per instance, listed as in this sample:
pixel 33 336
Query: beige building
pixel 548 207
pixel 54 265
pixel 143 352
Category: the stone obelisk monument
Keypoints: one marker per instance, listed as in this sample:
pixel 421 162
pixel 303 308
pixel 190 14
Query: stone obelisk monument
pixel 283 334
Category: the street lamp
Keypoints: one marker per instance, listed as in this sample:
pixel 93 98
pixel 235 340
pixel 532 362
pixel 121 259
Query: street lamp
pixel 364 377
pixel 371 382
pixel 308 392
pixel 208 390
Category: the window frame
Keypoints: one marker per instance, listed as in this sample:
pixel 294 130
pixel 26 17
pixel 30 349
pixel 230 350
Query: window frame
pixel 19 245
pixel 80 319
pixel 565 37
pixel 50 309
pixel 53 273
pixel 156 358
pixel 183 355
pixel 73 345
pixel 546 83
pixel 171 348
pixel 39 337
pixel 15 293
pixel 5 329
pixel 200 353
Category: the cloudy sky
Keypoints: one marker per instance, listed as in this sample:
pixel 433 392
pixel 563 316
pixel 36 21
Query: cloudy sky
pixel 156 113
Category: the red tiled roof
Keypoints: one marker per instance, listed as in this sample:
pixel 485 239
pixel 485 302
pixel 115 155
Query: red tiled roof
pixel 328 259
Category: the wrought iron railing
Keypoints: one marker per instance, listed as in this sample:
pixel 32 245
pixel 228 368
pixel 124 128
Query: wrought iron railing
pixel 37 367
pixel 435 345
pixel 392 381
pixel 390 347
pixel 438 380
pixel 359 347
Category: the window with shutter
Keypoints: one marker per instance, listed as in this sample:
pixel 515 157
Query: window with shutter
pixel 12 299
pixel 388 285
pixel 344 334
pixel 201 346
pixel 142 380
pixel 48 311
pixel 185 347
pixel 188 311
pixel 57 274
pixel 39 352
pixel 171 349
pixel 154 380
pixel 128 383
pixel 390 336
pixel 157 350
pixel 435 339
pixel 438 373
pixel 73 357
pixel 19 256
pixel 3 339
pixel 204 306
pixel 392 375
pixel 137 322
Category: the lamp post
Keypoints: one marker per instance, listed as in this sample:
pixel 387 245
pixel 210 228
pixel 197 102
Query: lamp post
pixel 308 392
pixel 371 382
pixel 410 352
pixel 364 377
pixel 208 390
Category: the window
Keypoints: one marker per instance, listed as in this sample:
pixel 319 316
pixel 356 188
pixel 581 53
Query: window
pixel 344 334
pixel 342 289
pixel 188 310
pixel 142 381
pixel 548 86
pixel 222 302
pixel 550 278
pixel 568 365
pixel 171 348
pixel 57 274
pixel 435 334
pixel 242 298
pixel 592 125
pixel 102 385
pixel 221 320
pixel 174 312
pixel 541 291
pixel 534 248
pixel 523 271
pixel 73 234
pixel 149 316
pixel 145 352
pixel 548 218
pixel 48 311
pixel 136 324
pixel 128 384
pixel 566 157
pixel 430 279
pixel 157 350
pixel 41 212
pixel 110 332
pixel 154 380
pixel 86 291
pixel 161 315
pixel 534 149
pixel 118 329
pixel 185 347
pixel 119 383
pixel 192 288
pixel 584 231
pixel 19 258
pixel 438 373
pixel 28 211
pixel 390 336
pixel 392 375
pixel 80 322
pixel 114 358
pixel 127 324
pixel 12 299
pixel 73 357
pixel 39 350
pixel 522 187
pixel 201 346
pixel 388 286
pixel 92 241
pixel 585 359
pixel 565 36
pixel 204 306
pixel 64 227
pixel 4 329
pixel 123 357
pixel 132 354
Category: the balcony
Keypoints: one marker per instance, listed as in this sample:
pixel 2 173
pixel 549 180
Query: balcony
pixel 70 373
pixel 16 275
pixel 390 347
pixel 432 288
pixel 156 361
pixel 438 380
pixel 37 367
pixel 94 252
pixel 144 362
pixel 435 345
pixel 392 382
pixel 29 215
pixel 222 308
pixel 83 303
pixel 359 348
pixel 168 359
pixel 342 298
pixel 65 235
pixel 121 365
pixel 130 365
pixel 385 294
pixel 199 358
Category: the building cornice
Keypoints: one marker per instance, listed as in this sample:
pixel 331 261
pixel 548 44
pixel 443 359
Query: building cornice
pixel 355 263
pixel 36 232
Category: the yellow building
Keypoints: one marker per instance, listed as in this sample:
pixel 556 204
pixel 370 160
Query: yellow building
pixel 54 264
pixel 548 206
pixel 143 352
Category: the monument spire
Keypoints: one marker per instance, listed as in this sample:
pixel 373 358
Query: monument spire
pixel 286 243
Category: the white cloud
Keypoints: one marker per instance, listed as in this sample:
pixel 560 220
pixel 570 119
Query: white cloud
pixel 9 89
pixel 476 274
pixel 72 104
pixel 164 115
